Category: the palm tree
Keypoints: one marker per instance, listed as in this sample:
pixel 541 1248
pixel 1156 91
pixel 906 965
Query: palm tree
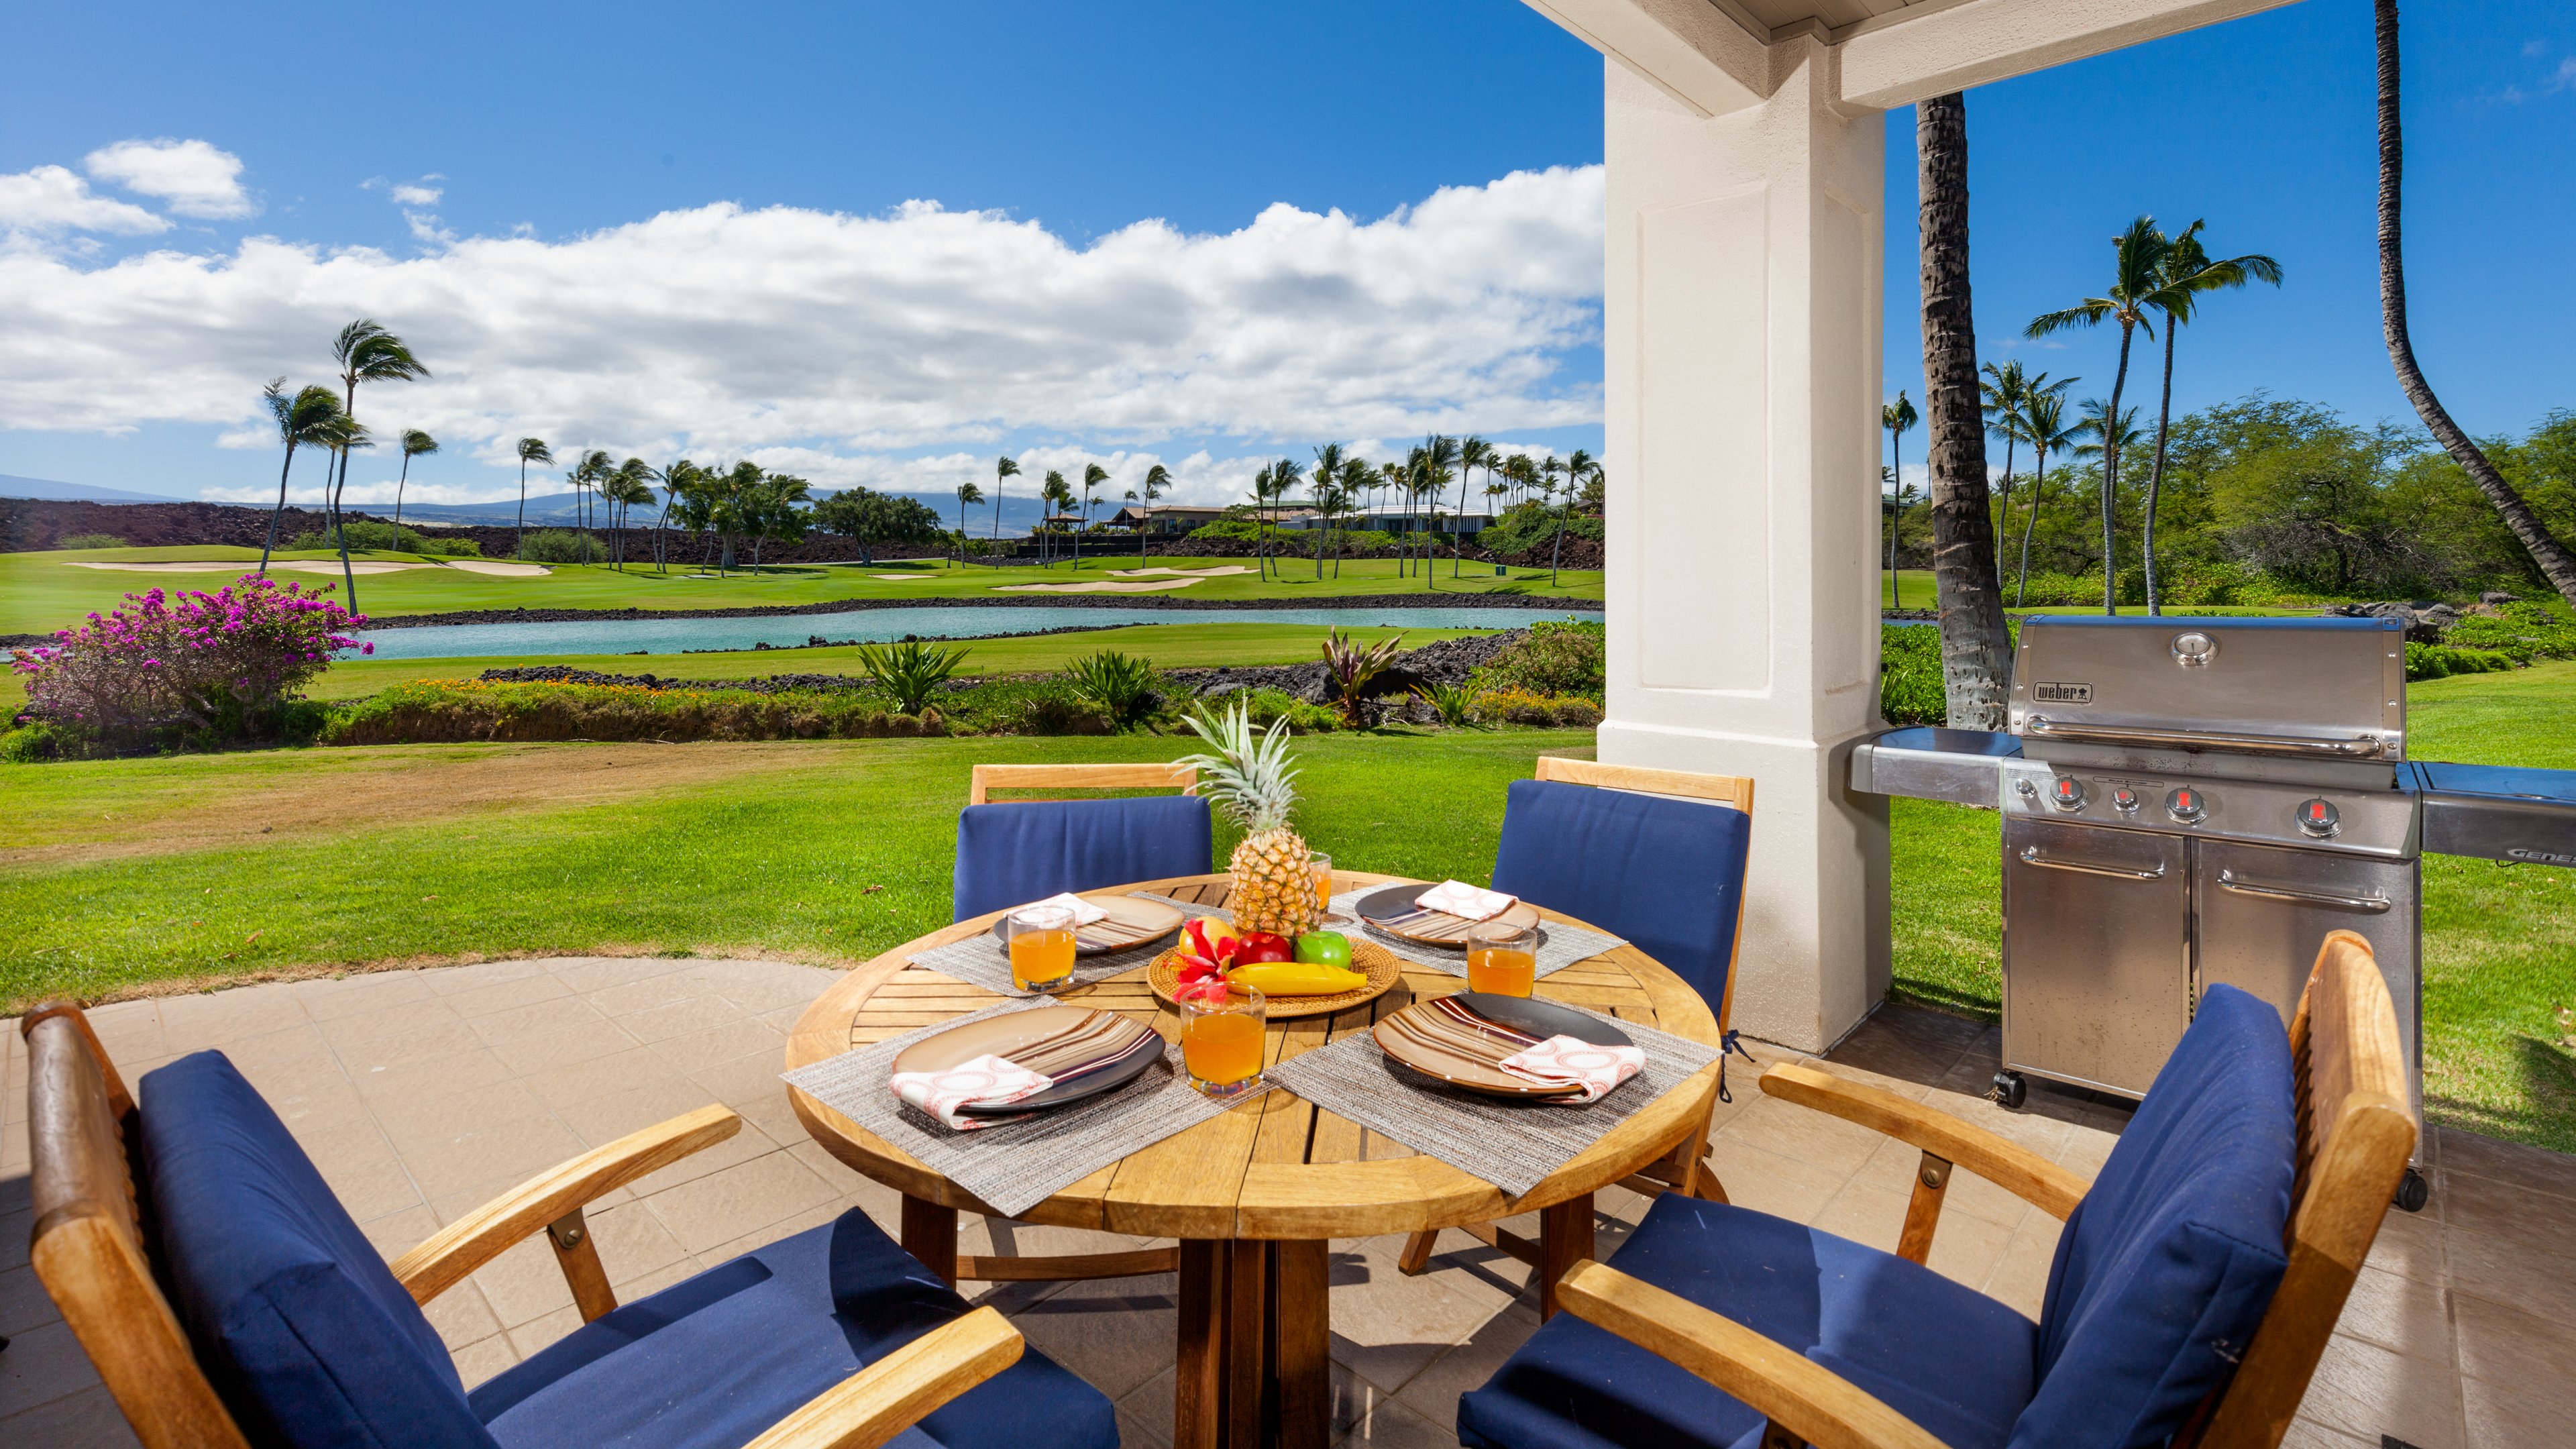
pixel 1472 453
pixel 1002 468
pixel 366 353
pixel 1158 481
pixel 2138 259
pixel 2001 395
pixel 531 450
pixel 2186 275
pixel 345 435
pixel 1581 470
pixel 677 480
pixel 2109 441
pixel 967 492
pixel 1898 418
pixel 1093 475
pixel 414 444
pixel 2043 424
pixel 1440 454
pixel 1328 473
pixel 1357 477
pixel 630 484
pixel 589 473
pixel 306 418
pixel 2556 562
pixel 1056 493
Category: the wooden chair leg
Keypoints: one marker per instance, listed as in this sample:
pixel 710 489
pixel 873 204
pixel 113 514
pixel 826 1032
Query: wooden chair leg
pixel 1417 1253
pixel 1565 1239
pixel 930 1234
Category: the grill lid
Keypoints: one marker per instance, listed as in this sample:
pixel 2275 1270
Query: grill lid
pixel 2308 688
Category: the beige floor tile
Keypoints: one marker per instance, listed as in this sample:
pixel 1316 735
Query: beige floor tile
pixel 1433 1393
pixel 1388 1424
pixel 2513 1266
pixel 2535 1169
pixel 428 1040
pixel 231 1020
pixel 397 1233
pixel 633 1243
pixel 428 1119
pixel 449 981
pixel 786 1227
pixel 327 998
pixel 394 1019
pixel 1787 1186
pixel 1893 1166
pixel 2365 1390
pixel 586 974
pixel 1147 1409
pixel 435 1078
pixel 524 1284
pixel 23 1304
pixel 88 1419
pixel 563 1012
pixel 747 1142
pixel 477 1362
pixel 2020 1277
pixel 490 1157
pixel 504 996
pixel 2399 1314
pixel 732 1042
pixel 2505 1345
pixel 2412 1245
pixel 681 1018
pixel 2521 1414
pixel 740 1200
pixel 1115 1332
pixel 1786 1130
pixel 625 998
pixel 41 1365
pixel 1388 1327
pixel 2309 1434
pixel 461 1315
pixel 568 1045
pixel 531 1338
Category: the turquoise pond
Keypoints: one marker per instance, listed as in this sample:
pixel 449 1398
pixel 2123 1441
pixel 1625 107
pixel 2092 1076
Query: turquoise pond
pixel 673 636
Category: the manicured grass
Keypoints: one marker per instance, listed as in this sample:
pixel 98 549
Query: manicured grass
pixel 40 592
pixel 2499 940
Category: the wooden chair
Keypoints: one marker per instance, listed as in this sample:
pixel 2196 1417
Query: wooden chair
pixel 95 1242
pixel 988 778
pixel 2353 1135
pixel 1683 1171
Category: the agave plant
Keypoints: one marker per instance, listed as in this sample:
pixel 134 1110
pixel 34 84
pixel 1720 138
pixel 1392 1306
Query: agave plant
pixel 911 671
pixel 1352 667
pixel 1456 703
pixel 1122 685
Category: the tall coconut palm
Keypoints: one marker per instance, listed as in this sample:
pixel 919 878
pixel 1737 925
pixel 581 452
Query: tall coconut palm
pixel 1053 493
pixel 1899 419
pixel 630 484
pixel 306 418
pixel 967 492
pixel 1581 471
pixel 365 353
pixel 1328 477
pixel 1549 470
pixel 1158 481
pixel 2109 441
pixel 1093 476
pixel 345 435
pixel 677 480
pixel 415 443
pixel 586 475
pixel 2556 562
pixel 2187 275
pixel 1357 477
pixel 1002 468
pixel 1473 453
pixel 531 450
pixel 2138 259
pixel 1440 454
pixel 2043 426
pixel 2000 396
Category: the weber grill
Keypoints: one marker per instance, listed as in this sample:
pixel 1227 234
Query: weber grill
pixel 2196 801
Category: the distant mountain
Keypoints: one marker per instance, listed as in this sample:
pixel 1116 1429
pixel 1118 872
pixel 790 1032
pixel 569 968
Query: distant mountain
pixel 553 510
pixel 15 487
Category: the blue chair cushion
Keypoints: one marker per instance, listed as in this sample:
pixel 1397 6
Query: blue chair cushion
pixel 717 1359
pixel 2164 1271
pixel 294 1315
pixel 1947 1357
pixel 1666 874
pixel 1009 855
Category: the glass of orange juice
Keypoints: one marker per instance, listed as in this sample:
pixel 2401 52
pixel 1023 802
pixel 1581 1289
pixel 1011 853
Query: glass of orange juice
pixel 1502 958
pixel 1041 942
pixel 1324 885
pixel 1221 1025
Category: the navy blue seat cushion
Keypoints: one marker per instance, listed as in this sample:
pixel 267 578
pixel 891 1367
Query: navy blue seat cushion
pixel 2164 1271
pixel 1666 874
pixel 1009 855
pixel 1949 1358
pixel 717 1359
pixel 293 1313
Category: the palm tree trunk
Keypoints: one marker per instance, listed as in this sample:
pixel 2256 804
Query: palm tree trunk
pixel 1895 517
pixel 2029 521
pixel 1457 541
pixel 348 575
pixel 399 485
pixel 2555 562
pixel 1558 554
pixel 278 512
pixel 1976 650
pixel 2156 472
pixel 2003 511
pixel 2111 474
pixel 519 537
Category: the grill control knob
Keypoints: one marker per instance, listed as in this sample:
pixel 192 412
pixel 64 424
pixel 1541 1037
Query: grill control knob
pixel 2319 818
pixel 2125 800
pixel 2186 806
pixel 2067 793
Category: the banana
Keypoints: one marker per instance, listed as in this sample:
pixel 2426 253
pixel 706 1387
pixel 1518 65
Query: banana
pixel 1297 978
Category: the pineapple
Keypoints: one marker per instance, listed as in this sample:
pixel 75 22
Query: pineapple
pixel 1250 779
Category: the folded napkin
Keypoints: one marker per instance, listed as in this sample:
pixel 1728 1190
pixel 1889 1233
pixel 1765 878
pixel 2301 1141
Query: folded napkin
pixel 1084 912
pixel 987 1078
pixel 1457 898
pixel 1571 1061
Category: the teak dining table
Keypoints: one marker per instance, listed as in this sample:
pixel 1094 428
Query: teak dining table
pixel 1254 1196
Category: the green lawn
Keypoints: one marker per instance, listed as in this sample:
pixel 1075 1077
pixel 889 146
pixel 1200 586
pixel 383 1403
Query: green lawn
pixel 2499 940
pixel 40 592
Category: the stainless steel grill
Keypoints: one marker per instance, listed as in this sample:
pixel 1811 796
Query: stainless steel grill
pixel 2189 802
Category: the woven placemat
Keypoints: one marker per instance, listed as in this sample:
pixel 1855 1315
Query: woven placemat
pixel 1016 1165
pixel 979 960
pixel 1560 945
pixel 1513 1145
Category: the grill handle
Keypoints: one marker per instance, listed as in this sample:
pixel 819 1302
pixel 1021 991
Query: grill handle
pixel 2228 881
pixel 2360 747
pixel 2030 855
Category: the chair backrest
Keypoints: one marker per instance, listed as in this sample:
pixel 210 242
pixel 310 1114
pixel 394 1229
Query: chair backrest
pixel 1010 854
pixel 2195 1286
pixel 87 1241
pixel 988 778
pixel 1666 873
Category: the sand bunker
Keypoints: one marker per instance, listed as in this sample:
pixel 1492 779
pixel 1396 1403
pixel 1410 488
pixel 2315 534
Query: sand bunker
pixel 1218 571
pixel 909 578
pixel 497 568
pixel 493 567
pixel 1098 586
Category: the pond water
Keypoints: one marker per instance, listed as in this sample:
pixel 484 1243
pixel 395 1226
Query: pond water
pixel 671 636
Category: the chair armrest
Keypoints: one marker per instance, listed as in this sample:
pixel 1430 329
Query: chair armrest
pixel 888 1396
pixel 490 1230
pixel 2008 1165
pixel 1795 1392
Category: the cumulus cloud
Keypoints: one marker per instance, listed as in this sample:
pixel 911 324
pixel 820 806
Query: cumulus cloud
pixel 414 193
pixel 49 200
pixel 838 340
pixel 192 178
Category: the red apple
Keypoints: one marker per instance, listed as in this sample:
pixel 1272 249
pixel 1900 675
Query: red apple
pixel 1261 946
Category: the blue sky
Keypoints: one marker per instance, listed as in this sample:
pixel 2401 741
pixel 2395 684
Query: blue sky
pixel 536 195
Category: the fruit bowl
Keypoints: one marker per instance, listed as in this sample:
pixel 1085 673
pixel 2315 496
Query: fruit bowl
pixel 1379 964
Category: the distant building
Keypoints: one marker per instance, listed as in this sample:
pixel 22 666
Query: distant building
pixel 1167 519
pixel 1397 520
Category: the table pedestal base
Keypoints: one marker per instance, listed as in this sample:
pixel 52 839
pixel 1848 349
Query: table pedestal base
pixel 1255 1368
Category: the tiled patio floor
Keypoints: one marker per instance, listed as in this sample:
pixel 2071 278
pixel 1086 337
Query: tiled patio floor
pixel 420 1094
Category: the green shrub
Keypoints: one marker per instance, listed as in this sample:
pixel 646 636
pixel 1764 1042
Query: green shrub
pixel 1559 656
pixel 561 545
pixel 2521 632
pixel 909 670
pixel 41 741
pixel 368 534
pixel 448 711
pixel 1267 706
pixel 1533 525
pixel 1455 703
pixel 89 540
pixel 2440 661
pixel 1540 711
pixel 1122 686
pixel 1910 688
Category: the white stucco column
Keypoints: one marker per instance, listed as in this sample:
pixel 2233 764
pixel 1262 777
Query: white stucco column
pixel 1742 364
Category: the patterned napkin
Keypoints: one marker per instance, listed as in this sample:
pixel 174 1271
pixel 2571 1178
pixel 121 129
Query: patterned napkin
pixel 1571 1061
pixel 1559 945
pixel 1473 903
pixel 987 1078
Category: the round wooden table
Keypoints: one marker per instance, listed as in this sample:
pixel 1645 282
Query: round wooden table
pixel 1254 1195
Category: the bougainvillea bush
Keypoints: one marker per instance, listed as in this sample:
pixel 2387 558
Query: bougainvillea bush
pixel 194 668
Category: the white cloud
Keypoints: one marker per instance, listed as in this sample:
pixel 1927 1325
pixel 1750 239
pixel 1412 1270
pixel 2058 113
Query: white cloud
pixel 50 200
pixel 789 333
pixel 192 177
pixel 410 194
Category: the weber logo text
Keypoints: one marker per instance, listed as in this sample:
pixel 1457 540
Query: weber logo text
pixel 2046 692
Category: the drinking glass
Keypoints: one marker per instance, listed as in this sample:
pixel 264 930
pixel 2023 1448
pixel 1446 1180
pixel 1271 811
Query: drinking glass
pixel 1323 885
pixel 1221 1039
pixel 1502 958
pixel 1041 940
